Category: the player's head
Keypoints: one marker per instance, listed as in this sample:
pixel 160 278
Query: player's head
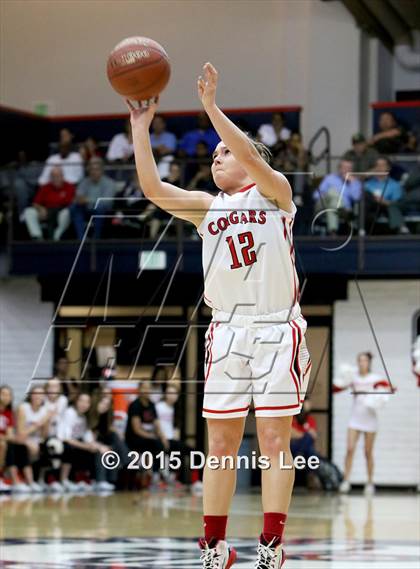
pixel 228 174
pixel 364 361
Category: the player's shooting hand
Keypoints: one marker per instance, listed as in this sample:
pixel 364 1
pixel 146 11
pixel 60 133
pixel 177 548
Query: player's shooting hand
pixel 141 116
pixel 207 85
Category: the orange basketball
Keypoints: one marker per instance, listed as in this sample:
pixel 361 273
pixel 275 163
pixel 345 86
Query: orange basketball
pixel 138 68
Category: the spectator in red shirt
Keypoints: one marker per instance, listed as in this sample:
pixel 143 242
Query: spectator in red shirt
pixel 50 205
pixel 14 455
pixel 304 433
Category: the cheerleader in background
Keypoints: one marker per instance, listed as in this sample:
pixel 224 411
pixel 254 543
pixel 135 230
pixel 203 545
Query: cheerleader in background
pixel 370 392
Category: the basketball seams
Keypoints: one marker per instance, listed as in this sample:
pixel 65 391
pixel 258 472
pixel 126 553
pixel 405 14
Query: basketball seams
pixel 139 65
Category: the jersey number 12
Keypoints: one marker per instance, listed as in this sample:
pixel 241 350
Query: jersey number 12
pixel 249 257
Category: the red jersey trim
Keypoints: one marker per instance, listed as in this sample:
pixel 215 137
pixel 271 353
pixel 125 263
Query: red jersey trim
pixel 246 188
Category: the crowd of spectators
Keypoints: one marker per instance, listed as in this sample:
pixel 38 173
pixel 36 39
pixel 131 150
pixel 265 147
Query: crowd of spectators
pixel 55 439
pixel 78 181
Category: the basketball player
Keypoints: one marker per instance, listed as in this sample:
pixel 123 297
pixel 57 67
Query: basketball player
pixel 255 346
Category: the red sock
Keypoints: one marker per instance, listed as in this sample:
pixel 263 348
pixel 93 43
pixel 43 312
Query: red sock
pixel 215 528
pixel 274 525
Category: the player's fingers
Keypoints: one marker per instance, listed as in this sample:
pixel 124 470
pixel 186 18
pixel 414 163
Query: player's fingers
pixel 129 105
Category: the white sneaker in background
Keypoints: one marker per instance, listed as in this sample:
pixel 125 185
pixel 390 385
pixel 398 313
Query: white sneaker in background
pixel 83 486
pixel 345 487
pixel 37 488
pixel 55 487
pixel 21 488
pixel 69 486
pixel 197 488
pixel 369 489
pixel 104 487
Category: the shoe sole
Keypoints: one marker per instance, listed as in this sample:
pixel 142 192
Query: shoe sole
pixel 232 558
pixel 283 557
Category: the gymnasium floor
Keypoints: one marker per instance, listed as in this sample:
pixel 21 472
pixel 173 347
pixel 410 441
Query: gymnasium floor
pixel 149 530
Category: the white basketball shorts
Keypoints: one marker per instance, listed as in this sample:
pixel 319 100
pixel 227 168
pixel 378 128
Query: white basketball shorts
pixel 253 359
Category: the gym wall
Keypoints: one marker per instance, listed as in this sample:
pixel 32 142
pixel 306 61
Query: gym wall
pixel 268 54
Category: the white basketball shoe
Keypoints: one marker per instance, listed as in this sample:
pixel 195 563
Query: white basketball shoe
pixel 219 556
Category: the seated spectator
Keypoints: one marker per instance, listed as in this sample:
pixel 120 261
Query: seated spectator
pixel 65 136
pixel 14 456
pixel 143 432
pixel 363 156
pixel 293 161
pixel 166 414
pixel 156 216
pixel 390 138
pixel 101 422
pixel 163 145
pixel 70 386
pixel 380 192
pixel 337 195
pixel 275 132
pixel 50 205
pixel 89 149
pixel 32 428
pixel 70 162
pixel 409 202
pixel 93 197
pixel 203 180
pixel 200 156
pixel 121 147
pixel 24 179
pixel 56 403
pixel 203 133
pixel 304 432
pixel 81 450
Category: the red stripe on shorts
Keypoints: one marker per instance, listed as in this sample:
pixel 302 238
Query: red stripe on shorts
pixel 279 407
pixel 211 351
pixel 229 411
pixel 292 371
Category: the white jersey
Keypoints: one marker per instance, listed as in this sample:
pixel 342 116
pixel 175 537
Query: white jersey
pixel 59 406
pixel 33 416
pixel 74 427
pixel 248 255
pixel 166 416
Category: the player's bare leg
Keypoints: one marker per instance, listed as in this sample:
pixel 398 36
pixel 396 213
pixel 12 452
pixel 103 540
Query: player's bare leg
pixel 352 439
pixel 369 444
pixel 224 437
pixel 277 485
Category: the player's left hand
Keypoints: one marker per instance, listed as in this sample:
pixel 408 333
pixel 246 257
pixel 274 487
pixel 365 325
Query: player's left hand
pixel 207 85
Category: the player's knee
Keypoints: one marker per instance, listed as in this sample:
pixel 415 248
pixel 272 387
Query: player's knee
pixel 222 445
pixel 272 442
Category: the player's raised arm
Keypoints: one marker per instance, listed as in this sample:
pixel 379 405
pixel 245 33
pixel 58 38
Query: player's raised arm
pixel 271 184
pixel 190 206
